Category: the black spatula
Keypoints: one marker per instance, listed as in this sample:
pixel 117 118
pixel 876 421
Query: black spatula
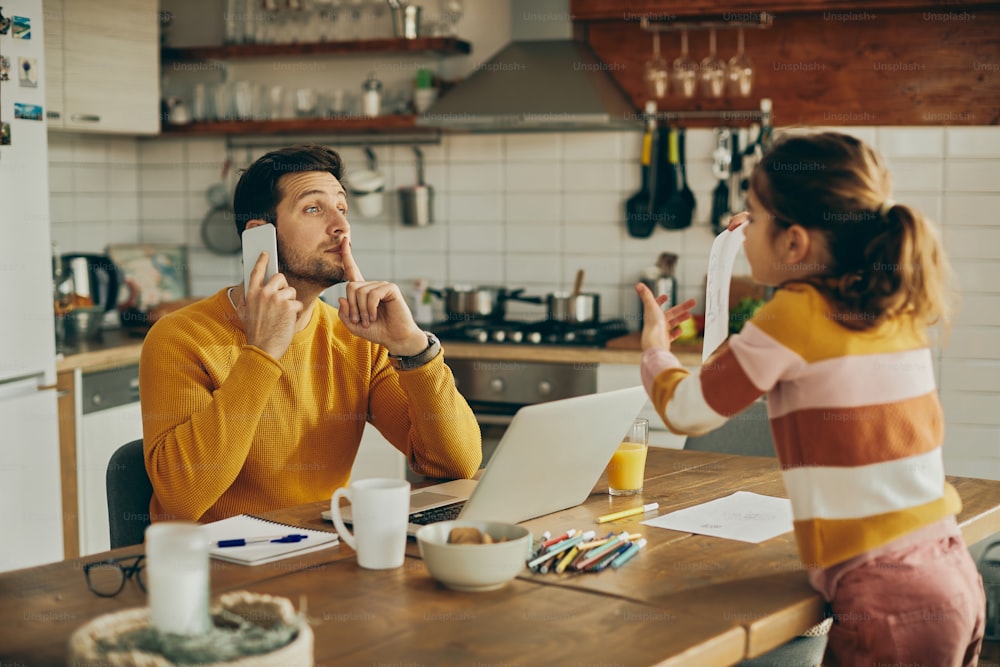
pixel 639 218
pixel 680 207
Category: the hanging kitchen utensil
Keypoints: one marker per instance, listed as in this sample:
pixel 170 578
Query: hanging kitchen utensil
pixel 736 203
pixel 416 201
pixel 721 159
pixel 577 284
pixel 638 213
pixel 666 179
pixel 680 206
pixel 218 227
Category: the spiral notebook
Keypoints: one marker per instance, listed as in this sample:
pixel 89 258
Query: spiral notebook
pixel 248 527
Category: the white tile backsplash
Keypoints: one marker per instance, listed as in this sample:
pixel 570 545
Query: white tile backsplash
pixel 911 142
pixel 972 142
pixel 969 175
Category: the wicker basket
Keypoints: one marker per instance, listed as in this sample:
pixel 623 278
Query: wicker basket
pixel 264 610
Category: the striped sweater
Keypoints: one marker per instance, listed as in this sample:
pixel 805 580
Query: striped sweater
pixel 228 429
pixel 855 416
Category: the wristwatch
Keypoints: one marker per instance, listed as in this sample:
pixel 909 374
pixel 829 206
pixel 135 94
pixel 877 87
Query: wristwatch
pixel 417 360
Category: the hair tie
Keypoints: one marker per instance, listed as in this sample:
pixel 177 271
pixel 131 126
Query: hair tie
pixel 883 210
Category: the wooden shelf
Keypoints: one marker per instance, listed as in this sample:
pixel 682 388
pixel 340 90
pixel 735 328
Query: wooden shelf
pixel 396 124
pixel 437 45
pixel 671 10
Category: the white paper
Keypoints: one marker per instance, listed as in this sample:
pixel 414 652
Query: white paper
pixel 720 272
pixel 743 516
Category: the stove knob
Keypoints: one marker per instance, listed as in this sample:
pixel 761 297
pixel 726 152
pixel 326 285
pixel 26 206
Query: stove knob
pixel 544 388
pixel 499 335
pixel 497 385
pixel 482 336
pixel 516 336
pixel 535 337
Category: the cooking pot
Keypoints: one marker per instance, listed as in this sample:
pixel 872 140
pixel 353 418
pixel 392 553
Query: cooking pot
pixel 469 303
pixel 572 307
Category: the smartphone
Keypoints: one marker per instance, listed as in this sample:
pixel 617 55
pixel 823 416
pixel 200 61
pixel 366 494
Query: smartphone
pixel 262 238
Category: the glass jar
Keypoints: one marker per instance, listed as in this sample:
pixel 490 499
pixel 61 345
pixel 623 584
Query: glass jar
pixel 371 96
pixel 177 577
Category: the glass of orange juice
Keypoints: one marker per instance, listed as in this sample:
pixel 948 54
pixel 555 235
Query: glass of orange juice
pixel 628 464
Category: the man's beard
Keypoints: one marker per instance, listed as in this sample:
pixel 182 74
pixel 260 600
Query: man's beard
pixel 298 267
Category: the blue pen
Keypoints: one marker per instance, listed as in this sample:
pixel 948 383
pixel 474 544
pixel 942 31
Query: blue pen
pixel 629 553
pixel 243 541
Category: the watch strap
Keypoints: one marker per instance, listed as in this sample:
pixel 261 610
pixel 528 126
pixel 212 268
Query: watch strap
pixel 401 363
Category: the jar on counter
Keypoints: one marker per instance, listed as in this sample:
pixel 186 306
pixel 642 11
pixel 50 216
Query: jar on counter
pixel 371 96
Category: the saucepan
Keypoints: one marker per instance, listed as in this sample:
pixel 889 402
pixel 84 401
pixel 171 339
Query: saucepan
pixel 574 306
pixel 463 302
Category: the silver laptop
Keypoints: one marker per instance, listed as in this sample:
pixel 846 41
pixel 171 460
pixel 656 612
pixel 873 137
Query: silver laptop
pixel 548 459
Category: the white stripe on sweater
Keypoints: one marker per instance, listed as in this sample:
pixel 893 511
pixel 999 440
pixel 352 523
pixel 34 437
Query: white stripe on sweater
pixel 826 492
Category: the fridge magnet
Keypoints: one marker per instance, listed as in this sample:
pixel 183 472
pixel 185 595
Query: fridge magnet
pixel 27 111
pixel 4 134
pixel 22 27
pixel 4 23
pixel 27 72
pixel 4 68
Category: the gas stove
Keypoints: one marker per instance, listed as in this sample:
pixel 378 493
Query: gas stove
pixel 542 332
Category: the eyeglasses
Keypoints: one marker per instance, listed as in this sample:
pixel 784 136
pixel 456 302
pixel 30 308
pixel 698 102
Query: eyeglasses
pixel 107 578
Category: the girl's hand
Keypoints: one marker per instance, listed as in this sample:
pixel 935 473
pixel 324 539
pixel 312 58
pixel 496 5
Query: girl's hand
pixel 661 327
pixel 737 220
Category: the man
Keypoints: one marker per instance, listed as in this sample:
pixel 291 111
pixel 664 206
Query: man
pixel 257 401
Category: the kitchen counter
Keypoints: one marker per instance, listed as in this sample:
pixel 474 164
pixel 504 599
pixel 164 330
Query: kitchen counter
pixel 118 347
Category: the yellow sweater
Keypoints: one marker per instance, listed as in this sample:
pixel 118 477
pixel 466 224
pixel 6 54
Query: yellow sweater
pixel 228 429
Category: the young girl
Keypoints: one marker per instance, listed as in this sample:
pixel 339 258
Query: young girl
pixel 842 354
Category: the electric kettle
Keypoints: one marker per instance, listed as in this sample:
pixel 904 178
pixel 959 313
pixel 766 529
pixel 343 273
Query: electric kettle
pixel 95 278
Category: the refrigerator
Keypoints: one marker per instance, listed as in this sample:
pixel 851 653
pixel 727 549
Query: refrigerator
pixel 30 497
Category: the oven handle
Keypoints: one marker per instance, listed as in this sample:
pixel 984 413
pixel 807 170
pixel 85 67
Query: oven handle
pixel 493 420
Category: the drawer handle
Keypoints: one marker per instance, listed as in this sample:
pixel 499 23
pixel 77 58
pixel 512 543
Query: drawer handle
pixel 86 117
pixel 53 114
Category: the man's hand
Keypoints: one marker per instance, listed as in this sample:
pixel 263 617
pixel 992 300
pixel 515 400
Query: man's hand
pixel 659 327
pixel 269 311
pixel 377 311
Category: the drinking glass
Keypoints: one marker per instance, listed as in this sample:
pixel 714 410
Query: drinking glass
pixel 655 73
pixel 713 71
pixel 451 13
pixel 740 71
pixel 627 467
pixel 685 71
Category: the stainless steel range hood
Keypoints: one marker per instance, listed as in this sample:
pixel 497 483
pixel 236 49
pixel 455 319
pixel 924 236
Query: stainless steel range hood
pixel 548 84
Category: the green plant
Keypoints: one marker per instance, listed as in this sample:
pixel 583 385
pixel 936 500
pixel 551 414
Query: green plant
pixel 744 310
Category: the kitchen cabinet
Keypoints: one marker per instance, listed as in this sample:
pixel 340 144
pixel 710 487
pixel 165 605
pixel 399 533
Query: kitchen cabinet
pixel 616 10
pixel 109 416
pixel 388 124
pixel 102 66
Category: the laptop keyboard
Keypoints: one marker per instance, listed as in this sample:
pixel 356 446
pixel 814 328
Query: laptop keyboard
pixel 437 514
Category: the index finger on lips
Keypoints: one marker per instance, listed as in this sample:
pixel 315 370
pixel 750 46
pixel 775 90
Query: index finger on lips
pixel 351 270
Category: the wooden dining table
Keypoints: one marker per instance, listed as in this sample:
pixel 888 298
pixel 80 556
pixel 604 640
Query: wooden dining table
pixel 686 599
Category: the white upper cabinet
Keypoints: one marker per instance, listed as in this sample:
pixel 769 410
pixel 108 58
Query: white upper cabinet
pixel 102 66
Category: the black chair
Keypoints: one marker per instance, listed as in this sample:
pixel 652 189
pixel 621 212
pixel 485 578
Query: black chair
pixel 129 492
pixel 749 434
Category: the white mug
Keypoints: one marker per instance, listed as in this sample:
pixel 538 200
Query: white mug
pixel 381 509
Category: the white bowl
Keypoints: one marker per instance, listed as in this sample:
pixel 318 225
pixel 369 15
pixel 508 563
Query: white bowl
pixel 474 567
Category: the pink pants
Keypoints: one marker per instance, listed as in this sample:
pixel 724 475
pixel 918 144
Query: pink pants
pixel 919 606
